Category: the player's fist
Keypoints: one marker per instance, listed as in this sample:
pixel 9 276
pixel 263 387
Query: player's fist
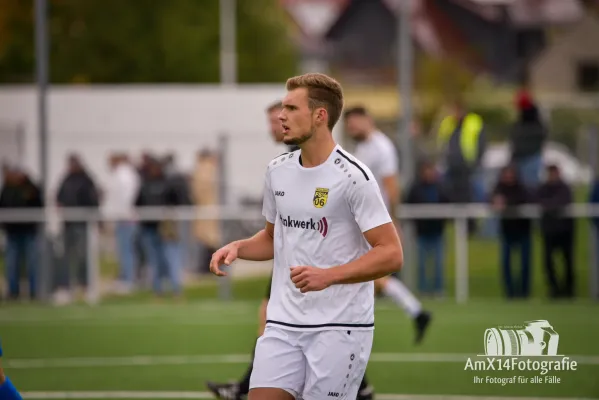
pixel 310 279
pixel 225 255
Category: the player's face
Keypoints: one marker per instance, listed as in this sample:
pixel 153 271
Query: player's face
pixel 357 127
pixel 297 119
pixel 276 129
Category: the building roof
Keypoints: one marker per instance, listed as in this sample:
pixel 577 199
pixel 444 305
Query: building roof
pixel 528 12
pixel 316 17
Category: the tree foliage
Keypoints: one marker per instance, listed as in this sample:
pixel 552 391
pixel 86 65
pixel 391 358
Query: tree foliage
pixel 139 41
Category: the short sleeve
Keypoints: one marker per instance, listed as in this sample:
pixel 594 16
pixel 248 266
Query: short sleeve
pixel 368 207
pixel 389 162
pixel 269 209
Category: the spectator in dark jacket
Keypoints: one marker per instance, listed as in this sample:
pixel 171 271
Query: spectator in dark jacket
pixel 558 231
pixel 77 190
pixel 21 237
pixel 527 138
pixel 429 232
pixel 161 239
pixel 508 194
pixel 594 199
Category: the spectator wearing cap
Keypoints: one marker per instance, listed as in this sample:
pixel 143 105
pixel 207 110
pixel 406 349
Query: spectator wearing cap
pixel 527 138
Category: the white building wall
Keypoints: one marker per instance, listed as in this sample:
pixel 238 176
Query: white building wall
pixel 94 121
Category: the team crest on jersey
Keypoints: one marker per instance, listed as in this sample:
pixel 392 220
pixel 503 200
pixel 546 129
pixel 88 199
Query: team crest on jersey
pixel 320 197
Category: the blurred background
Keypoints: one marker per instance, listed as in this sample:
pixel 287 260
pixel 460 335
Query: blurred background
pixel 134 137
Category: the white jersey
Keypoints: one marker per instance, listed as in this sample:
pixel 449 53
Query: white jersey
pixel 319 215
pixel 378 153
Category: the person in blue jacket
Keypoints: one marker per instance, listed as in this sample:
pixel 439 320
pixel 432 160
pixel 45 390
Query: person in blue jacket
pixel 7 389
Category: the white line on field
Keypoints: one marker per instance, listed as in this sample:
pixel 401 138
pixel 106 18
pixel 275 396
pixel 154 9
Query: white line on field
pixel 206 395
pixel 89 362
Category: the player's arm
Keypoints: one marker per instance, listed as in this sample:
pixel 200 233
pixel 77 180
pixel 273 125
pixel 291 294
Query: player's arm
pixel 386 254
pixel 259 247
pixel 385 257
pixel 391 185
pixel 390 181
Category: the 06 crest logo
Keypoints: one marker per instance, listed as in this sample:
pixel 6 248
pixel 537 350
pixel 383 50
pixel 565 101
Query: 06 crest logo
pixel 320 197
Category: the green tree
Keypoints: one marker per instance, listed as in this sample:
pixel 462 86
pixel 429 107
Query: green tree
pixel 139 41
pixel 16 41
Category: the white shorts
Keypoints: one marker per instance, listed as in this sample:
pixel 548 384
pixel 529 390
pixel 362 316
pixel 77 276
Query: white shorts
pixel 312 365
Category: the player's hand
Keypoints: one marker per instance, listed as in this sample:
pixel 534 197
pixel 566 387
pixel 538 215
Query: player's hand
pixel 310 279
pixel 225 255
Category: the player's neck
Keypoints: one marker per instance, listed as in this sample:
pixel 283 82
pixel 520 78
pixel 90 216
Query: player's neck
pixel 317 150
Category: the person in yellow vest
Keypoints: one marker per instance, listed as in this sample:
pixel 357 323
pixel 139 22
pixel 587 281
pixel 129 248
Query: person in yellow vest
pixel 461 139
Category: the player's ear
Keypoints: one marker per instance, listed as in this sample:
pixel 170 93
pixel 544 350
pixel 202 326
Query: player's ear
pixel 321 115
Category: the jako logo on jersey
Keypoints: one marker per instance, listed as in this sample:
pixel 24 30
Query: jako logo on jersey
pixel 333 394
pixel 279 193
pixel 321 225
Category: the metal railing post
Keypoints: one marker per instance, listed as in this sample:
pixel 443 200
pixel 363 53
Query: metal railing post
pixel 46 265
pixel 461 259
pixel 93 265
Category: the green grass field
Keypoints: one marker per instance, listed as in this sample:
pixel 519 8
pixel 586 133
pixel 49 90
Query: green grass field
pixel 138 348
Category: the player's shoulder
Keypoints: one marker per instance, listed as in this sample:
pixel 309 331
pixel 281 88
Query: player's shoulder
pixel 281 160
pixel 352 170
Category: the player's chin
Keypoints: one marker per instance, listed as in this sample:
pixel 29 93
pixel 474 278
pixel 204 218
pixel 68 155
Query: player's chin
pixel 287 139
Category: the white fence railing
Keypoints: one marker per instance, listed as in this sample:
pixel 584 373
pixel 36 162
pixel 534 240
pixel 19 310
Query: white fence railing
pixel 459 213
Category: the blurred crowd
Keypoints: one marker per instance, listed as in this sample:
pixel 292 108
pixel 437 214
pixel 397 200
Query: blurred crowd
pixel 525 180
pixel 152 251
pixel 156 249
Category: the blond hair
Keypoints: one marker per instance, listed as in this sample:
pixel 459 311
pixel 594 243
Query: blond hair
pixel 323 91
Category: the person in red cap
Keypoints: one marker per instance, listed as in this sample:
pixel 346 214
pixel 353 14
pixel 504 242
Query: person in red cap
pixel 527 138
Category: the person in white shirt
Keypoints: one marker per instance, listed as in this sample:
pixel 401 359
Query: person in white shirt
pixel 330 235
pixel 121 193
pixel 377 151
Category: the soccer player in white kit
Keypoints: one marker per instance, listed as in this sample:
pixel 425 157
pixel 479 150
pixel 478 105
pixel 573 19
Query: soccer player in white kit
pixel 377 151
pixel 331 236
